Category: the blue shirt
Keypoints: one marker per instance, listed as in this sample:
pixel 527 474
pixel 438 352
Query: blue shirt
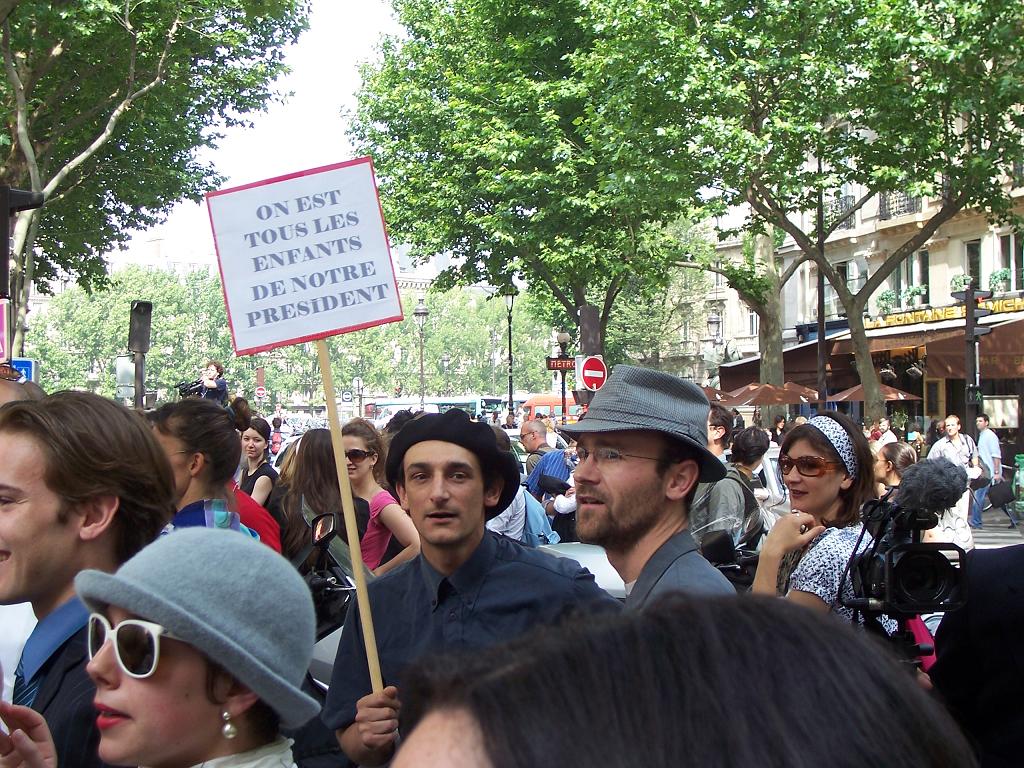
pixel 989 451
pixel 503 590
pixel 218 393
pixel 196 515
pixel 551 463
pixel 50 634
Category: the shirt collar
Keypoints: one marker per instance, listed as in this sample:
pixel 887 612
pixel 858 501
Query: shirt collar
pixel 469 576
pixel 50 634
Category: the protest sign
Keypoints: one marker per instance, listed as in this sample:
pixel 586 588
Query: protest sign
pixel 303 256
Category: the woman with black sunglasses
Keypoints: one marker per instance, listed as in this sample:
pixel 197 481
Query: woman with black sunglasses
pixel 364 453
pixel 826 465
pixel 198 647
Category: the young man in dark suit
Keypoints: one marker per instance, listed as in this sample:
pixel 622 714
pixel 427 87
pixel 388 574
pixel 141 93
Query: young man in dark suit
pixel 83 484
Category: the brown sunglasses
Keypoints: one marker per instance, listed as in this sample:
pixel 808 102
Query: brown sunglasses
pixel 808 466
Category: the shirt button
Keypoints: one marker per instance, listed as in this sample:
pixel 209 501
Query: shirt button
pixel 451 616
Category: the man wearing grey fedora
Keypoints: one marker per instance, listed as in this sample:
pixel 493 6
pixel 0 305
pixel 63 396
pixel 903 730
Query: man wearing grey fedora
pixel 642 448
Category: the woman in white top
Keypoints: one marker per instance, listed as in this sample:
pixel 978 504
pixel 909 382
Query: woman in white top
pixel 827 466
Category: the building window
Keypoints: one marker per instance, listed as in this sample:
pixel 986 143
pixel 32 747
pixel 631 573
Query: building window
pixel 913 271
pixel 854 275
pixel 1011 257
pixel 753 322
pixel 972 261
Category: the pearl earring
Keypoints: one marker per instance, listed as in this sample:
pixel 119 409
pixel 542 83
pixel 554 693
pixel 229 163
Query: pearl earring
pixel 229 730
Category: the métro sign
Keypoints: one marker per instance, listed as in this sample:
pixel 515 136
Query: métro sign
pixel 593 372
pixel 561 363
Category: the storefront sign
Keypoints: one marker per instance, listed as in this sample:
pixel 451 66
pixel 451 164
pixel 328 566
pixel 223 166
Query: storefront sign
pixel 937 314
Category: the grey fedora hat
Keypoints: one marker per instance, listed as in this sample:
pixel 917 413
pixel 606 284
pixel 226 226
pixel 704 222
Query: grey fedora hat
pixel 641 398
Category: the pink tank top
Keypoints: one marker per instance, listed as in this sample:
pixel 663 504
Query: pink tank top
pixel 378 536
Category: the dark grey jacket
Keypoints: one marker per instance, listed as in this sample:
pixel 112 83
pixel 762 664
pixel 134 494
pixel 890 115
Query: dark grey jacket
pixel 677 566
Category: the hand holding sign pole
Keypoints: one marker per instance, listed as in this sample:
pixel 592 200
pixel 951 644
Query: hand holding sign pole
pixel 304 257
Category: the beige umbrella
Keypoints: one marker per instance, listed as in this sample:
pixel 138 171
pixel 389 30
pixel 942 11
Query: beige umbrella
pixel 769 394
pixel 889 394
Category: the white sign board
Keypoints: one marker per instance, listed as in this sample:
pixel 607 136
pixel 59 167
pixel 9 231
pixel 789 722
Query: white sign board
pixel 303 256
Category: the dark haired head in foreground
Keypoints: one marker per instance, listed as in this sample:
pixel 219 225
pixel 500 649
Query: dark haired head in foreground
pixel 709 682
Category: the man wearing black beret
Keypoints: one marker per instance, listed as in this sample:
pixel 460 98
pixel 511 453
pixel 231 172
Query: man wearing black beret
pixel 468 588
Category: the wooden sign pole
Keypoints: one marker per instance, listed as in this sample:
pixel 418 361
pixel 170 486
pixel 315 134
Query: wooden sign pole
pixel 362 596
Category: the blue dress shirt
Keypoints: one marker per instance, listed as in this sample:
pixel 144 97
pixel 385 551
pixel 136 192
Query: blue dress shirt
pixel 551 463
pixel 503 590
pixel 50 634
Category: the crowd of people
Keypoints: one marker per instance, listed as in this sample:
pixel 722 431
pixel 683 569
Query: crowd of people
pixel 157 553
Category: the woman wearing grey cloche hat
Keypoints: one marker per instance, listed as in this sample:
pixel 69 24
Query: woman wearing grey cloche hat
pixel 198 646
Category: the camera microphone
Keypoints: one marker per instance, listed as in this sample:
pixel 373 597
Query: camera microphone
pixel 932 485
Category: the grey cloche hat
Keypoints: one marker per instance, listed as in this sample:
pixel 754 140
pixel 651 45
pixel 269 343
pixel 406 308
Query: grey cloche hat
pixel 641 398
pixel 233 599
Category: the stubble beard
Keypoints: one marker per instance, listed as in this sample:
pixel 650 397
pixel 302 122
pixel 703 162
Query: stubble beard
pixel 621 524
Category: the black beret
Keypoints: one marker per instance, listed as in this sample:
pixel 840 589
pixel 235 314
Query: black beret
pixel 454 426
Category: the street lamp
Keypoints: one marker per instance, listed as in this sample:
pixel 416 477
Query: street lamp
pixel 419 316
pixel 715 328
pixel 509 292
pixel 563 342
pixel 445 362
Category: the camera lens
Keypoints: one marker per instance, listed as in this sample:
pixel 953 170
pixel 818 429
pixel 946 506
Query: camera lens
pixel 923 577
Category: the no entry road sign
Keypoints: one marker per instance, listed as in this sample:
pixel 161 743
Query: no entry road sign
pixel 594 373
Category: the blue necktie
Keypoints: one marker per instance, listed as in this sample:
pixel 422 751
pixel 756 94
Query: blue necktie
pixel 24 693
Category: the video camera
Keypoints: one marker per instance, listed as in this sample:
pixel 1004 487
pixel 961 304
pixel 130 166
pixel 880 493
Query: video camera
pixel 190 388
pixel 899 575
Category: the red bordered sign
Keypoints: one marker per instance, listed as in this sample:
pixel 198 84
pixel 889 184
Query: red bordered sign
pixel 304 256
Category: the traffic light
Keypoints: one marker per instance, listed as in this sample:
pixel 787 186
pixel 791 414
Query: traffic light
pixel 973 333
pixel 970 296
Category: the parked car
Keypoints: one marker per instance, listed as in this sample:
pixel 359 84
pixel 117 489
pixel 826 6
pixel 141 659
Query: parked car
pixel 595 560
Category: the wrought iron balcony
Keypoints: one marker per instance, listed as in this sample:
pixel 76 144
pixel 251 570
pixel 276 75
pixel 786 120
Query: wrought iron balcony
pixel 840 208
pixel 893 204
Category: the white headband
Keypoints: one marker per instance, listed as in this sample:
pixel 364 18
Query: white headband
pixel 840 440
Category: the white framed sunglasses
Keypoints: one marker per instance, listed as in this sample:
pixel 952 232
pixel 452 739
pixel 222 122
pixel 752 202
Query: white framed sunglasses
pixel 136 643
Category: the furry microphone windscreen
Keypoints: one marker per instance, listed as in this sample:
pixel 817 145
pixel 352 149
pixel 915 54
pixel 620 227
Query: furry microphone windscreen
pixel 933 485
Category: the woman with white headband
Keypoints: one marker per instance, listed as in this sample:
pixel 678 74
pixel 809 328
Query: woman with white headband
pixel 198 647
pixel 827 466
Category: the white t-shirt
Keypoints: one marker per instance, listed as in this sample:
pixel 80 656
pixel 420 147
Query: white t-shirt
pixel 16 624
pixel 887 437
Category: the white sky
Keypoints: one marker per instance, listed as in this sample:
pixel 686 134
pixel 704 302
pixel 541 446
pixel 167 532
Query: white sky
pixel 306 131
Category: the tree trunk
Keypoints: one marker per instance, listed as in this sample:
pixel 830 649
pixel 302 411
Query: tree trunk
pixel 769 334
pixel 24 272
pixel 770 343
pixel 874 404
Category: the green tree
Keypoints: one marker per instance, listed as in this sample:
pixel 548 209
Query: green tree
pixel 791 101
pixel 80 334
pixel 476 122
pixel 106 105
